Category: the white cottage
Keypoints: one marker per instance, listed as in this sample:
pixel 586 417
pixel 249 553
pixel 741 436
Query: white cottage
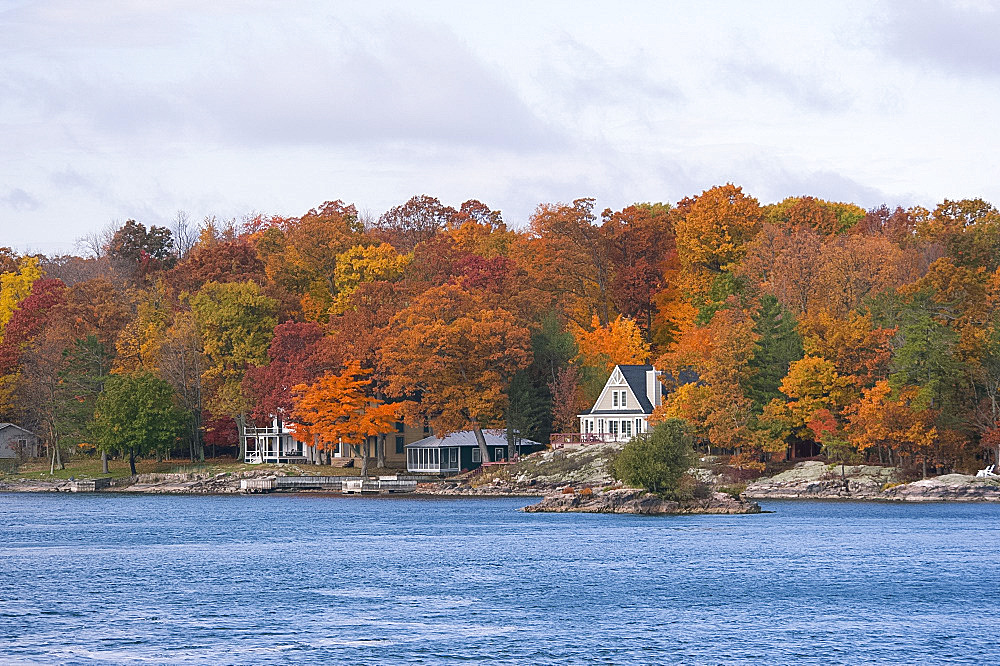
pixel 623 409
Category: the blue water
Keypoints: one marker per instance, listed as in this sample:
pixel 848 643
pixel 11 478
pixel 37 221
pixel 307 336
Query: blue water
pixel 316 579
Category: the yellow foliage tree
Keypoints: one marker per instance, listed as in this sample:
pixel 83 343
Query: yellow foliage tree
pixel 812 385
pixel 364 263
pixel 15 287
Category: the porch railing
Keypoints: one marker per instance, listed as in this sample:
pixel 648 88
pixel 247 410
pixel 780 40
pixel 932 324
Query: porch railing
pixel 560 439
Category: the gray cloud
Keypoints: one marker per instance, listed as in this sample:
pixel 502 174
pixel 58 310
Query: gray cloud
pixel 395 80
pixel 71 179
pixel 784 182
pixel 20 200
pixel 583 78
pixel 960 38
pixel 808 91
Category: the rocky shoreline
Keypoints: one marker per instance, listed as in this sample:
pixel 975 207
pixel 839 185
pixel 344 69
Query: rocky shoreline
pixel 809 480
pixel 640 502
pixel 816 480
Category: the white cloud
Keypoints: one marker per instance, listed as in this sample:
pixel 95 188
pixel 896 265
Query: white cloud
pixel 114 109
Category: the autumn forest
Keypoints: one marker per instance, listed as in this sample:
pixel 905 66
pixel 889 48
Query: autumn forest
pixel 799 328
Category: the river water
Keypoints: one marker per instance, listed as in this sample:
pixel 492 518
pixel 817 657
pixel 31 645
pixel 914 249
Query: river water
pixel 318 579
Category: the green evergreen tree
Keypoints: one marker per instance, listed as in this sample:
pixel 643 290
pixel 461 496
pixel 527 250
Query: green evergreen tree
pixel 529 408
pixel 778 346
pixel 926 358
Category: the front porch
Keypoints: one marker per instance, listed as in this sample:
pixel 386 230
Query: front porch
pixel 272 444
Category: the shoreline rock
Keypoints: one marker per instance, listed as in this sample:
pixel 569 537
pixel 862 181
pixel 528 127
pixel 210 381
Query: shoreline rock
pixel 640 502
pixel 816 480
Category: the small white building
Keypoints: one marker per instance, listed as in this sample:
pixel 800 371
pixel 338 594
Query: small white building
pixel 623 409
pixel 16 442
pixel 273 444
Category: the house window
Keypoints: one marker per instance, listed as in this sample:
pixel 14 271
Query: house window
pixel 476 457
pixel 627 428
pixel 499 454
pixel 614 398
pixel 400 426
pixel 613 428
pixel 453 454
pixel 399 443
pixel 600 426
pixel 624 400
pixel 638 426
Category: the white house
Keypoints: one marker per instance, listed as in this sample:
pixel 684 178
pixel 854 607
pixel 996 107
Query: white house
pixel 623 409
pixel 273 444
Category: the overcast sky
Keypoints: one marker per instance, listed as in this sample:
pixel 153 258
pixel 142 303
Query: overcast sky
pixel 112 110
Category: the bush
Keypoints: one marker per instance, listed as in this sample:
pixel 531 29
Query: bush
pixel 656 460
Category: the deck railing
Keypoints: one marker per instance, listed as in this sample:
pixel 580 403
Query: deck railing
pixel 560 439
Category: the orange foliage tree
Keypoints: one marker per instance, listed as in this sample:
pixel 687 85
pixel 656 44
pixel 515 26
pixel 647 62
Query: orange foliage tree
pixel 338 408
pixel 618 343
pixel 713 233
pixel 455 353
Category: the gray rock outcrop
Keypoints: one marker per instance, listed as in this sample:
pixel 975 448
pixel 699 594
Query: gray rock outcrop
pixel 640 502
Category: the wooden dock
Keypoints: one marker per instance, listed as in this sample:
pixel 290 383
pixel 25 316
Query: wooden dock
pixel 89 485
pixel 344 484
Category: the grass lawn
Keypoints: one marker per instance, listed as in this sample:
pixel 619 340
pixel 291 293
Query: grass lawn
pixel 86 467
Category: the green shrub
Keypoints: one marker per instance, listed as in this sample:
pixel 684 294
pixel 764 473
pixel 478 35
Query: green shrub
pixel 656 460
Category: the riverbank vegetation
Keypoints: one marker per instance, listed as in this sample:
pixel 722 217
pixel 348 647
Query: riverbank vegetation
pixel 806 327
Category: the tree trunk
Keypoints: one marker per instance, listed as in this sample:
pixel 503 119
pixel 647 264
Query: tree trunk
pixel 510 442
pixel 241 424
pixel 380 451
pixel 104 462
pixel 924 464
pixel 364 459
pixel 52 465
pixel 484 452
pixel 59 460
pixel 131 461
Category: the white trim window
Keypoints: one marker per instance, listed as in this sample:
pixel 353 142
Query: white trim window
pixel 619 399
pixel 476 455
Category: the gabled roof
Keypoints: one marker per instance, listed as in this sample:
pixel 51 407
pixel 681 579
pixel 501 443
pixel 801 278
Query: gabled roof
pixel 11 425
pixel 466 438
pixel 635 376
